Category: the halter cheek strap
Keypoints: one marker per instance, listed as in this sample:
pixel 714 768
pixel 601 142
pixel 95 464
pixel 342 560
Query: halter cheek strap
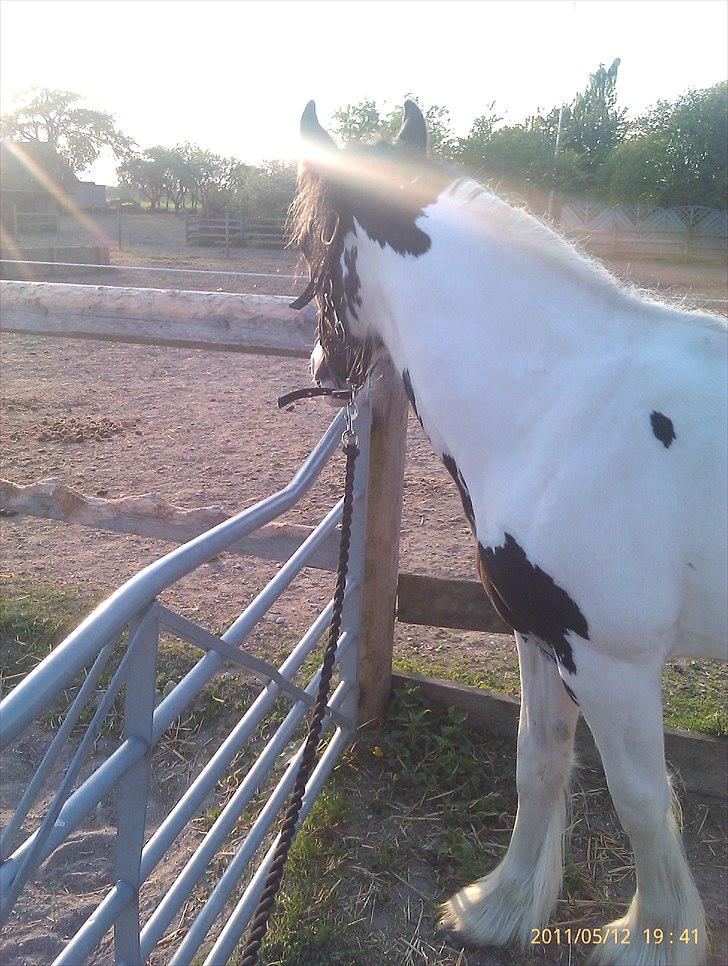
pixel 316 287
pixel 306 296
pixel 291 397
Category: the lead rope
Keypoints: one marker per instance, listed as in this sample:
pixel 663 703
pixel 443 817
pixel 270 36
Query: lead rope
pixel 264 909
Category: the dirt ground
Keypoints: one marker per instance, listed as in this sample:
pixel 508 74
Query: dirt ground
pixel 202 429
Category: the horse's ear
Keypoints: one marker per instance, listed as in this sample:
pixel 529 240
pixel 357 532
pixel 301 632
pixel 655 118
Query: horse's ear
pixel 413 134
pixel 318 145
pixel 312 132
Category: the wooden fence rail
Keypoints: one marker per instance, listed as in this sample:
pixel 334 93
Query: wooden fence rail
pixel 168 317
pixel 414 598
pixel 234 230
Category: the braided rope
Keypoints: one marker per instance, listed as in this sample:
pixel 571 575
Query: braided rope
pixel 264 909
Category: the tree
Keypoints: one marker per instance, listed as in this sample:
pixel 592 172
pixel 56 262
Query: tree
pixel 472 149
pixel 519 152
pixel 147 173
pixel 592 125
pixel 269 190
pixel 359 122
pixel 678 154
pixel 77 134
pixel 364 122
pixel 207 172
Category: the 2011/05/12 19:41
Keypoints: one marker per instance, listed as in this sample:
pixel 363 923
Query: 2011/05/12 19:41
pixel 602 937
pixel 658 936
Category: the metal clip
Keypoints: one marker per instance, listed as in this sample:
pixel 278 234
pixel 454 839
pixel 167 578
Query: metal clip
pixel 349 435
pixel 327 242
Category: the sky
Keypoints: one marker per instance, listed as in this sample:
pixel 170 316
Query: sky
pixel 234 76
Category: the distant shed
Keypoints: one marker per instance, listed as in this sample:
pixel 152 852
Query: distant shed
pixel 34 182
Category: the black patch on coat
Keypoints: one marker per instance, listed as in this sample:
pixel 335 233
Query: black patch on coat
pixel 529 600
pixel 662 428
pixel 389 195
pixel 452 468
pixel 410 393
pixel 550 656
pixel 352 282
pixel 570 692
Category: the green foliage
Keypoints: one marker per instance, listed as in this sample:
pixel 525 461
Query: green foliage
pixel 359 122
pixel 472 149
pixel 593 125
pixel 33 620
pixel 519 152
pixel 678 154
pixel 184 174
pixel 268 190
pixel 145 173
pixel 696 696
pixel 76 133
pixel 304 930
pixel 432 750
pixel 364 122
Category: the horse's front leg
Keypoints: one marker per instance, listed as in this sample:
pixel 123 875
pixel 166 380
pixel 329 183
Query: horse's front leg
pixel 520 894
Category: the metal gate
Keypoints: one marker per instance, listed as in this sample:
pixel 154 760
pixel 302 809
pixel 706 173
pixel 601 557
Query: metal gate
pixel 134 608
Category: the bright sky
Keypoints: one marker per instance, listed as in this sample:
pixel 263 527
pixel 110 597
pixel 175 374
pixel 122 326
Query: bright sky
pixel 235 76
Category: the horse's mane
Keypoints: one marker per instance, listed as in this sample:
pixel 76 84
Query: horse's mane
pixel 545 243
pixel 536 238
pixel 315 206
pixel 307 217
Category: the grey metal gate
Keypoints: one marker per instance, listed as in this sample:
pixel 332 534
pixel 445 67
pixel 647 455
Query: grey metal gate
pixel 135 607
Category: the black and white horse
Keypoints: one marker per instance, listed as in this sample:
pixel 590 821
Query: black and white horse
pixel 584 426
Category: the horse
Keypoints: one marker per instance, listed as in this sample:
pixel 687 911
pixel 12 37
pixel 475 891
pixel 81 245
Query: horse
pixel 584 426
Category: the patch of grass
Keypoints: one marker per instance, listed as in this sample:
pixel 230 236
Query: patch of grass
pixel 695 693
pixel 431 749
pixel 33 620
pixel 308 925
pixel 501 674
pixel 304 930
pixel 312 847
pixel 695 696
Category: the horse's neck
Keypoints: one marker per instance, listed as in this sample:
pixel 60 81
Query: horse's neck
pixel 482 327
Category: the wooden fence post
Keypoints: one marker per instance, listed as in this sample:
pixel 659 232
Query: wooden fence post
pixel 381 562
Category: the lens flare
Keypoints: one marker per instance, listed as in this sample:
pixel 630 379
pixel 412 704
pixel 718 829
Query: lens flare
pixel 55 190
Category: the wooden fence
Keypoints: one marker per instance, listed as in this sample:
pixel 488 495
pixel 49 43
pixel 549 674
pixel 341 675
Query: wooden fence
pixel 230 230
pixel 221 230
pixel 265 324
pixel 32 222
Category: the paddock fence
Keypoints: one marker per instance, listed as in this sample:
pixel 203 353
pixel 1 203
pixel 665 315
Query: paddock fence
pixel 378 595
pixel 231 230
pixel 31 222
pixel 638 229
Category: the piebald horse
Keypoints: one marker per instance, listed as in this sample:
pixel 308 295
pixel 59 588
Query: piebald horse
pixel 584 426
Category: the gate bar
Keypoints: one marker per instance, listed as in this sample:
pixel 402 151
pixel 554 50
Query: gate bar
pixel 238 921
pixel 203 855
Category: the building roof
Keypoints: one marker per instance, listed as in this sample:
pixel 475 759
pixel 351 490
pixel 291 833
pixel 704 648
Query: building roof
pixel 33 166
